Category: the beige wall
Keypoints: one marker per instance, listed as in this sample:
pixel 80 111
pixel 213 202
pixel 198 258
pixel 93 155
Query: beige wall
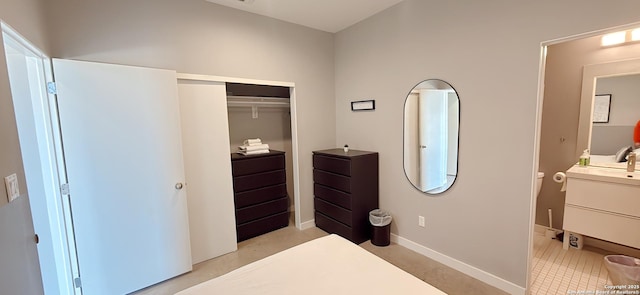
pixel 18 258
pixel 561 112
pixel 490 53
pixel 194 36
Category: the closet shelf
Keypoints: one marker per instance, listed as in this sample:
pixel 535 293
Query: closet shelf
pixel 242 101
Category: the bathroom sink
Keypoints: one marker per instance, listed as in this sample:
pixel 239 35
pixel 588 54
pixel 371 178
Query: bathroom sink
pixel 605 174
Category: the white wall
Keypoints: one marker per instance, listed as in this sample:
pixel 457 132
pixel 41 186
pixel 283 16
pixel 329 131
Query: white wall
pixel 194 36
pixel 490 53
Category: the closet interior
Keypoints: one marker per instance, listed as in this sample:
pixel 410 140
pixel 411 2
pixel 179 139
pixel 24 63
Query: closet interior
pixel 261 115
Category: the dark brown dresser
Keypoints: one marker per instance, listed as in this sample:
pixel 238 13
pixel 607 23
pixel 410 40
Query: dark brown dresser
pixel 346 190
pixel 260 193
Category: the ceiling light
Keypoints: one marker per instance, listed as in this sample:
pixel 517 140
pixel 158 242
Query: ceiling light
pixel 614 38
pixel 635 35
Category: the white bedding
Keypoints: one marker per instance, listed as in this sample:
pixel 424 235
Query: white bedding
pixel 330 265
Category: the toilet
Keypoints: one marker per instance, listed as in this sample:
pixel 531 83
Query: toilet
pixel 550 233
pixel 539 183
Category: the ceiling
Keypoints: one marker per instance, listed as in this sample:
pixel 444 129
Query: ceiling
pixel 325 15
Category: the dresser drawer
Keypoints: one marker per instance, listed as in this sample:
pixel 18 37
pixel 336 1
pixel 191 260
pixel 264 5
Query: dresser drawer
pixel 258 211
pixel 261 195
pixel 256 164
pixel 330 195
pixel 254 181
pixel 332 226
pixel 336 181
pixel 333 211
pixel 332 164
pixel 263 225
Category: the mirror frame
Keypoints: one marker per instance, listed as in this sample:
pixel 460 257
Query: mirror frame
pixel 404 133
pixel 590 73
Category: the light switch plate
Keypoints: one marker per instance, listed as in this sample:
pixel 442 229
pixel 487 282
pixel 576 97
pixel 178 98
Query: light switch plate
pixel 11 183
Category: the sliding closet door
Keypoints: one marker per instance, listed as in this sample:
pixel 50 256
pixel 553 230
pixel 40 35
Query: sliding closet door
pixel 205 137
pixel 121 137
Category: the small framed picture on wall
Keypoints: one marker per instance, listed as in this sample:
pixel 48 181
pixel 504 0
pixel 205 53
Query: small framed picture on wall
pixel 363 105
pixel 601 108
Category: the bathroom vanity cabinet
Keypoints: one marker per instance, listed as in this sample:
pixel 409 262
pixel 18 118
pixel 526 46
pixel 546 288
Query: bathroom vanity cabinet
pixel 603 203
pixel 346 190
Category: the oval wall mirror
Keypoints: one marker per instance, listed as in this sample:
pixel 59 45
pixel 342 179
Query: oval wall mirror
pixel 431 128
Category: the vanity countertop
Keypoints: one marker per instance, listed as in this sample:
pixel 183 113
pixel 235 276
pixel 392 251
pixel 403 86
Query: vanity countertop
pixel 604 174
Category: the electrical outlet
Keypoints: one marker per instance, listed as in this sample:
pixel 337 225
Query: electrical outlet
pixel 11 183
pixel 421 221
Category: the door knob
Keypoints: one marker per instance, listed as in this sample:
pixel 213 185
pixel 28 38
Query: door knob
pixel 179 185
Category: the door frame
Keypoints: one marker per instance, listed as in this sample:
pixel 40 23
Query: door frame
pixel 51 211
pixel 294 126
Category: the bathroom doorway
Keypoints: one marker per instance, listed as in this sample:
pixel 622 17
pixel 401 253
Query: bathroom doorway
pixel 560 79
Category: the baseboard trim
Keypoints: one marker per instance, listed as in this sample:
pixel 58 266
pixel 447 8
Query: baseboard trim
pixel 308 224
pixel 460 266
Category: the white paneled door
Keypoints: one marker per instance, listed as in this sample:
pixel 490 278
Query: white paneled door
pixel 123 153
pixel 433 138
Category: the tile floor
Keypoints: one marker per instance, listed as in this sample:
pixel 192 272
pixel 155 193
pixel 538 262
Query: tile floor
pixel 559 271
pixel 436 274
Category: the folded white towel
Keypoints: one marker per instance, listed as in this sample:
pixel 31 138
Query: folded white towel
pixel 256 152
pixel 263 146
pixel 253 141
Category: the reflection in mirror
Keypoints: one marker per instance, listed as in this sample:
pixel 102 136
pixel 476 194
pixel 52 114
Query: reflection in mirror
pixel 431 125
pixel 612 140
pixel 608 77
pixel 592 75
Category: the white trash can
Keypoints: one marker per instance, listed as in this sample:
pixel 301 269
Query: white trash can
pixel 623 270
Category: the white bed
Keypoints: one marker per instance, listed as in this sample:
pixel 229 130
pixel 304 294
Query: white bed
pixel 328 265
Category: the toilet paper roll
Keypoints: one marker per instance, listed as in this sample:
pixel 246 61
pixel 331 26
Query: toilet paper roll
pixel 560 177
